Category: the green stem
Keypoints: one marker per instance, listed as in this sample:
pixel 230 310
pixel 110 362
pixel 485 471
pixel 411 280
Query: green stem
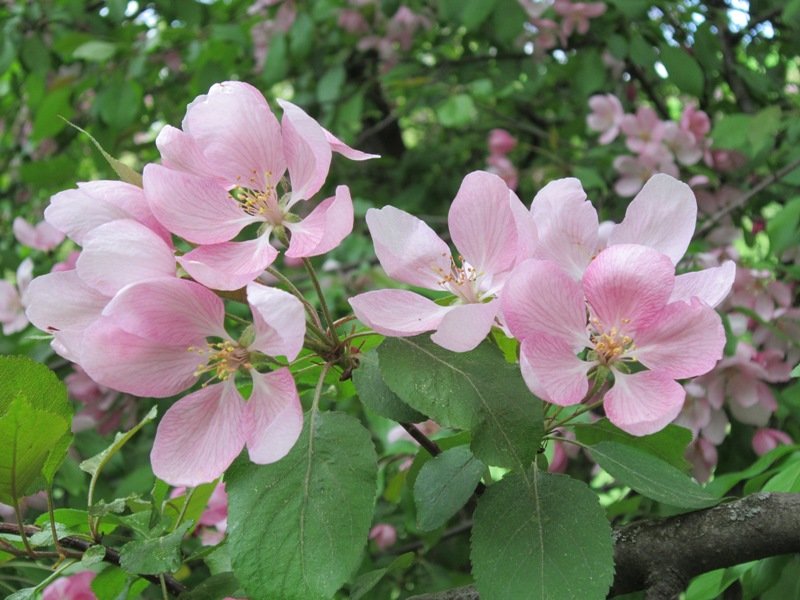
pixel 318 390
pixel 324 305
pixel 593 399
pixel 184 508
pixel 22 534
pixel 51 514
pixel 312 313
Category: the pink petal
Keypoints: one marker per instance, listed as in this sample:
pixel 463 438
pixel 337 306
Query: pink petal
pixel 644 402
pixel 323 229
pixel 229 265
pixel 709 285
pixel 307 151
pixel 685 340
pixel 465 326
pixel 567 225
pixel 169 311
pixel 340 147
pixel 397 312
pixel 181 151
pixel 136 365
pixel 279 321
pixel 482 225
pixel 200 435
pixel 275 416
pixel 195 208
pixel 42 236
pixel 61 301
pixel 557 370
pixel 407 248
pixel 527 232
pixel 540 298
pixel 122 252
pixel 238 133
pixel 662 215
pixel 10 305
pixel 627 286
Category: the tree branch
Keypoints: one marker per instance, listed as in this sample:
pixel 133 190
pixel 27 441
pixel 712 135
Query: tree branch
pixel 661 556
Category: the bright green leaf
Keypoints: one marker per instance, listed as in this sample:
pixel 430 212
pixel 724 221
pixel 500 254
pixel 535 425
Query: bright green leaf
pixel 541 536
pixel 95 51
pixel 475 12
pixel 297 527
pixel 122 170
pixel 457 111
pixel 782 228
pixel 786 480
pixel 94 464
pixel 375 394
pixel 722 483
pixel 683 70
pixel 651 476
pixel 329 87
pixel 110 584
pixel 154 556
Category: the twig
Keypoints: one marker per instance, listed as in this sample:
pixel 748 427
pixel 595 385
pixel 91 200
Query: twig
pixel 423 440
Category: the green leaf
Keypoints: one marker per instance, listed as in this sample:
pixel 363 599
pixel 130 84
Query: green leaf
pixel 95 464
pixel 796 371
pixel 651 476
pixel 782 227
pixel 539 535
pixel 56 106
pixel 476 390
pixel 154 556
pixel 375 394
pixel 23 594
pixel 764 128
pixel 683 70
pixel 119 103
pixel 730 131
pixel 329 87
pixel 722 483
pixel 444 485
pixel 110 584
pixel 93 556
pixel 297 527
pixel 197 503
pixel 669 444
pixel 786 480
pixel 475 12
pixel 217 586
pixel 123 171
pixel 301 36
pixel 277 64
pixel 642 53
pixel 508 19
pixel 95 51
pixel 366 581
pixel 457 111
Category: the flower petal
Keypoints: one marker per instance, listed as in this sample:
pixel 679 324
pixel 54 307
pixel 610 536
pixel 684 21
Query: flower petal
pixel 397 312
pixel 340 147
pixel 229 265
pixel 644 402
pixel 307 151
pixel 709 285
pixel 279 321
pixel 136 365
pixel 180 151
pixel 540 298
pixel 527 232
pixel 407 248
pixel 199 436
pixel 196 208
pixel 557 370
pixel 122 252
pixel 323 229
pixel 275 416
pixel 662 215
pixel 238 134
pixel 43 236
pixel 685 340
pixel 61 301
pixel 466 325
pixel 482 225
pixel 169 311
pixel 628 285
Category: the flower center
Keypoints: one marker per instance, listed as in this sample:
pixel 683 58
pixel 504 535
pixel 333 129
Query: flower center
pixel 461 280
pixel 223 359
pixel 263 204
pixel 611 345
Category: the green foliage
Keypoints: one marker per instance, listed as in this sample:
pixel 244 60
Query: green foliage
pixel 539 535
pixel 376 396
pixel 297 527
pixel 154 555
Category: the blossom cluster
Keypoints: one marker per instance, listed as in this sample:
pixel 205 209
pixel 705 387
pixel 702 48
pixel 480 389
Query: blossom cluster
pixel 585 301
pixel 141 310
pixel 569 18
pixel 658 146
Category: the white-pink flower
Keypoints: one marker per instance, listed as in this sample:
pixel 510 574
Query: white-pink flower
pixel 12 299
pixel 225 170
pixel 605 117
pixel 576 15
pixel 491 231
pixel 41 236
pixel 158 337
pixel 766 439
pixel 627 293
pixel 73 587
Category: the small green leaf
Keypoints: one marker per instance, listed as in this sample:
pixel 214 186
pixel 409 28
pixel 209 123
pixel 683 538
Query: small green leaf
pixel 782 227
pixel 796 371
pixel 444 485
pixel 722 483
pixel 301 36
pixel 786 480
pixel 297 527
pixel 651 476
pixel 50 114
pixel 475 12
pixel 110 583
pixel 222 585
pixel 154 556
pixel 95 51
pixel 683 70
pixel 122 170
pixel 541 536
pixel 94 464
pixel 93 556
pixel 329 87
pixel 366 581
pixel 457 111
pixel 375 394
pixel 277 64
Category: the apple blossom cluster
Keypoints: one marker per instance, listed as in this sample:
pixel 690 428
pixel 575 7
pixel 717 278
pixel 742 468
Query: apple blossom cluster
pixel 140 311
pixel 585 301
pixel 569 18
pixel 658 146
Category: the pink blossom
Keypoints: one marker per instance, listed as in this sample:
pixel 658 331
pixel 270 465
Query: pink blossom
pixel 103 409
pixel 606 116
pixel 42 236
pixel 225 170
pixel 352 21
pixel 702 455
pixel 577 14
pixel 683 144
pixel 68 264
pixel 643 130
pixel 696 122
pixel 725 161
pixel 73 587
pixel 397 432
pixel 501 141
pixel 12 298
pixel 161 327
pixel 403 25
pixel 636 170
pixel 766 439
pixel 213 522
pixel 484 222
pixel 504 169
pixel 384 535
pixel 626 291
pixel 547 33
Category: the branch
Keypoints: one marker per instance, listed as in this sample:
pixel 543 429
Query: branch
pixel 661 556
pixel 81 545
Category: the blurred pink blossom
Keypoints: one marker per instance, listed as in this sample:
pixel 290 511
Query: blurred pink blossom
pixel 702 455
pixel 501 141
pixel 576 15
pixel 606 116
pixel 103 409
pixel 13 298
pixel 504 169
pixel 384 535
pixel 42 236
pixel 72 587
pixel 766 439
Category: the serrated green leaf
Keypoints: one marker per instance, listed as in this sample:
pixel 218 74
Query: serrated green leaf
pixel 124 172
pixel 297 527
pixel 376 395
pixel 154 556
pixel 541 536
pixel 222 585
pixel 683 70
pixel 651 476
pixel 476 390
pixel 94 464
pixel 444 485
pixel 669 444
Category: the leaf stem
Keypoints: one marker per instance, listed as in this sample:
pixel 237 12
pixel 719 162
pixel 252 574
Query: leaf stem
pixel 22 534
pixel 316 324
pixel 51 514
pixel 323 304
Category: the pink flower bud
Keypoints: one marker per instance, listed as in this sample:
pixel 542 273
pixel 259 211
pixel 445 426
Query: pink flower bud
pixel 384 535
pixel 501 141
pixel 766 439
